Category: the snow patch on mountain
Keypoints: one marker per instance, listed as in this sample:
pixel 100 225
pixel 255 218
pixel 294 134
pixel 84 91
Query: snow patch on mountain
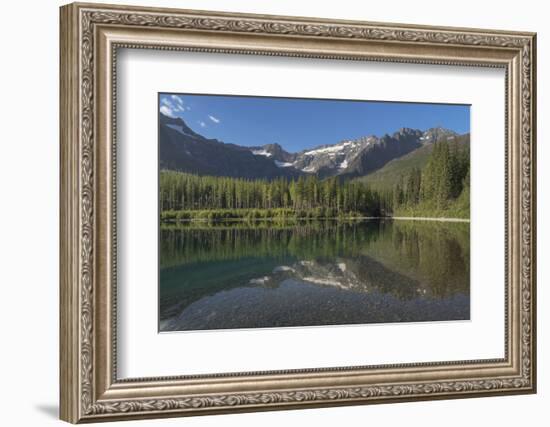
pixel 261 153
pixel 283 164
pixel 330 149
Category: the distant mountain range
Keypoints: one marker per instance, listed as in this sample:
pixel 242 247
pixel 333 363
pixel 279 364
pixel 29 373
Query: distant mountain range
pixel 184 150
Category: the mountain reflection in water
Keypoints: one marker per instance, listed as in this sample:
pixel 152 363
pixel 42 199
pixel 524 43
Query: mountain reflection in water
pixel 242 275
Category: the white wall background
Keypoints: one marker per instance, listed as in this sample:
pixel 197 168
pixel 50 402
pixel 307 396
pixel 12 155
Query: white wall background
pixel 29 170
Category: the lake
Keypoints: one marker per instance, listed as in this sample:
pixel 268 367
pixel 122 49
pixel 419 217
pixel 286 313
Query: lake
pixel 311 273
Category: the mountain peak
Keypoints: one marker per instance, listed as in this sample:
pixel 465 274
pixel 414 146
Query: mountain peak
pixel 273 151
pixel 437 134
pixel 179 125
pixel 407 133
pixel 273 147
pixel 407 130
pixel 441 129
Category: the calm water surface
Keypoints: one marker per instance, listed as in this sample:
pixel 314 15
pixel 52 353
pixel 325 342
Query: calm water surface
pixel 242 275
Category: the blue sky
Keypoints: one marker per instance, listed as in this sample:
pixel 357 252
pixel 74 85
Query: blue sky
pixel 297 124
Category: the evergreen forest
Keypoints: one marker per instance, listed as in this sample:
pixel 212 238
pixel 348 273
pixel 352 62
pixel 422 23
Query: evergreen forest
pixel 441 188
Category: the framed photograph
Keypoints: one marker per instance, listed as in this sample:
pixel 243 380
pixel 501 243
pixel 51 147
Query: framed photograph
pixel 265 212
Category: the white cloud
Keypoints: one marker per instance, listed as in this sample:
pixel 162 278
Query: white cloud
pixel 178 100
pixel 172 105
pixel 214 119
pixel 203 125
pixel 167 111
pixel 178 105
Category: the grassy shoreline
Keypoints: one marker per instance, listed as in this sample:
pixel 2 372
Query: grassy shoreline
pixel 278 215
pixel 254 214
pixel 427 218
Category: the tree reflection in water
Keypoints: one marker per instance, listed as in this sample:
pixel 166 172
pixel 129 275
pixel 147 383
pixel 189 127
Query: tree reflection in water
pixel 265 274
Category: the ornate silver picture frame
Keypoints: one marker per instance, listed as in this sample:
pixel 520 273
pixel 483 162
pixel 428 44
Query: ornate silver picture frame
pixel 91 35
